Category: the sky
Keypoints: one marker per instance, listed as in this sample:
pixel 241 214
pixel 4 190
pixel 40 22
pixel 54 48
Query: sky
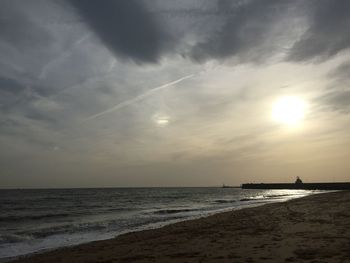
pixel 173 93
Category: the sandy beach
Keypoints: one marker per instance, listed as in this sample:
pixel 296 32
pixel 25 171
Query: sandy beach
pixel 310 229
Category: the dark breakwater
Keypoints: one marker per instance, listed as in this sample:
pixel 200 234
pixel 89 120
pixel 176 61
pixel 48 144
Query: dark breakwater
pixel 302 186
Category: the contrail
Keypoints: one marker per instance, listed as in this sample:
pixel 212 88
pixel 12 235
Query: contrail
pixel 136 99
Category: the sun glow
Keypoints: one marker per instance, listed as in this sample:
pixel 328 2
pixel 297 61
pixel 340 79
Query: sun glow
pixel 289 110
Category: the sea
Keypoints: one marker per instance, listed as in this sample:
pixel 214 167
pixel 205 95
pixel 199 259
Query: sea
pixel 34 220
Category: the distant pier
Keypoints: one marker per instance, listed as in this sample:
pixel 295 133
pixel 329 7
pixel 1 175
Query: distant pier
pixel 299 186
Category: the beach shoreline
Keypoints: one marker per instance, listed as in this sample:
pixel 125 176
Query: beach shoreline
pixel 299 230
pixel 151 226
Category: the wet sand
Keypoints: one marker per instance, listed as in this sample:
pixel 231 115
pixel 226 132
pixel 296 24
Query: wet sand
pixel 312 229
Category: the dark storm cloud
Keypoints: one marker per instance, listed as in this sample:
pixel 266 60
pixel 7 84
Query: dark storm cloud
pixel 10 85
pixel 124 27
pixel 129 30
pixel 18 30
pixel 328 32
pixel 245 29
pixel 10 90
pixel 21 90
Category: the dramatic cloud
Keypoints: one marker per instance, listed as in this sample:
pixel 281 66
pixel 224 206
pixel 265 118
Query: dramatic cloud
pixel 250 31
pixel 246 31
pixel 328 32
pixel 162 92
pixel 125 28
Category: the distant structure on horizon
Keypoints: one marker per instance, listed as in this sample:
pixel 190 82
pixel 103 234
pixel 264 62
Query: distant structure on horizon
pixel 298 180
pixel 299 185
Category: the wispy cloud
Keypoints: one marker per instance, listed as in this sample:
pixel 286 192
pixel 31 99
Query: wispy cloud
pixel 62 56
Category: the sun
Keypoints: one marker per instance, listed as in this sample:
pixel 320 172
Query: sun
pixel 289 110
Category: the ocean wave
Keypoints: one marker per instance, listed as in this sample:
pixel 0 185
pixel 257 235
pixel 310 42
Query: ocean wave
pixel 66 229
pixel 73 228
pixel 31 217
pixel 264 197
pixel 252 199
pixel 224 201
pixel 173 211
pixel 14 238
pixel 276 196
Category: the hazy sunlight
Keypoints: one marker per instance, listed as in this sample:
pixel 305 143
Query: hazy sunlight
pixel 289 110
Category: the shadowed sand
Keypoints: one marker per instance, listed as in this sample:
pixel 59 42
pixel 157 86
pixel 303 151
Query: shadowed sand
pixel 311 229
